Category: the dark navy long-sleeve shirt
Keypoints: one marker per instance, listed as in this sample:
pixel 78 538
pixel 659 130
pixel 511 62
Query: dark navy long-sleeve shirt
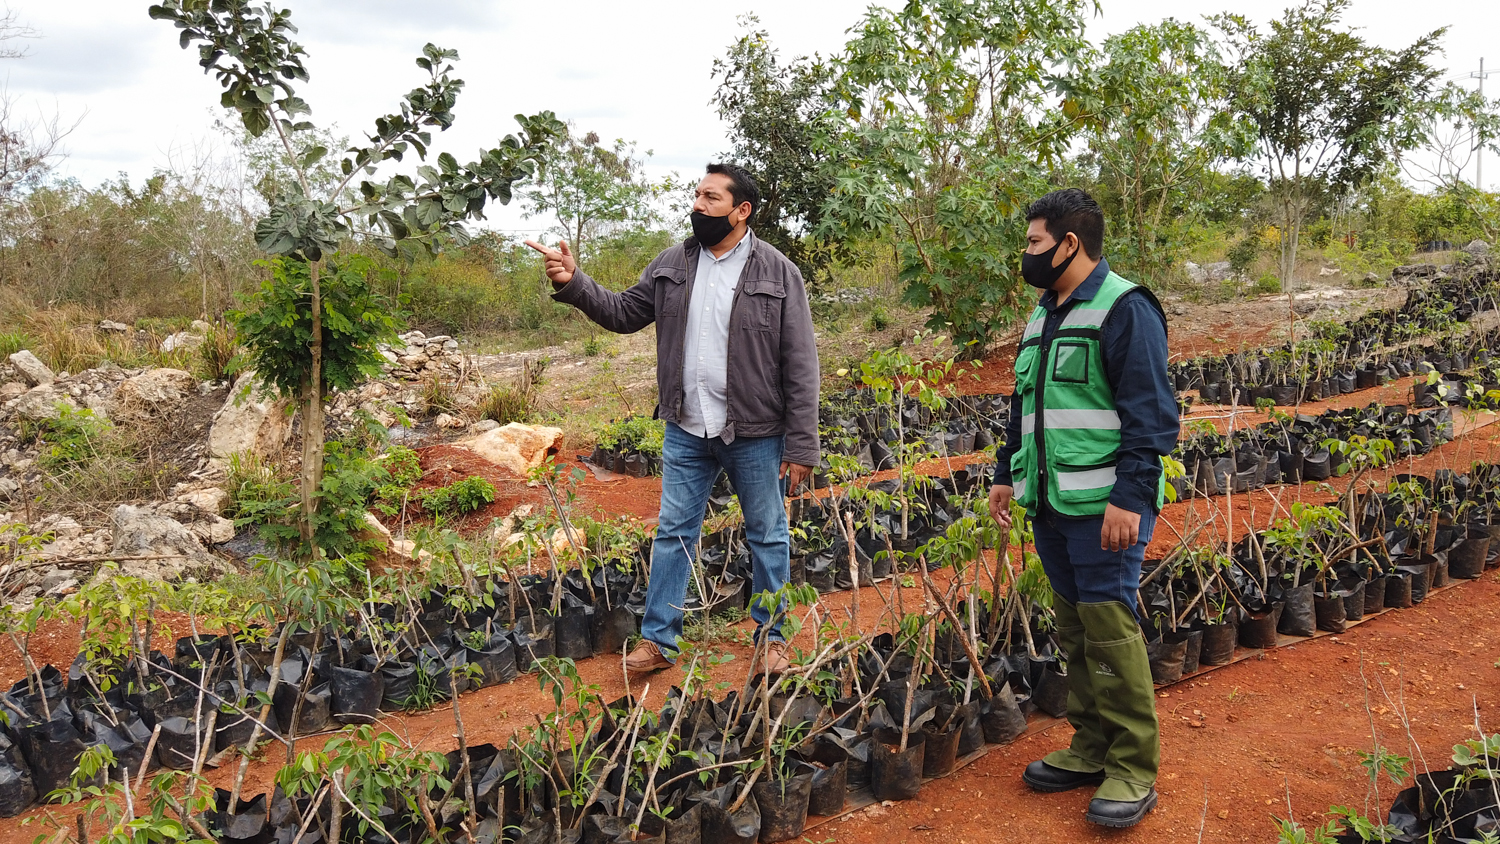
pixel 1134 338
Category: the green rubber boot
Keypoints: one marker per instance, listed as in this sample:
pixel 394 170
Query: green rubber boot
pixel 1086 754
pixel 1120 681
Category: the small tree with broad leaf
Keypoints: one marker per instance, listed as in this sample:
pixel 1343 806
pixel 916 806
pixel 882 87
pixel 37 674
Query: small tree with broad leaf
pixel 249 48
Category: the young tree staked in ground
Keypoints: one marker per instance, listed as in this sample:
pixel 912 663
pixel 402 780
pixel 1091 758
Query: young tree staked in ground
pixel 777 111
pixel 1329 108
pixel 249 49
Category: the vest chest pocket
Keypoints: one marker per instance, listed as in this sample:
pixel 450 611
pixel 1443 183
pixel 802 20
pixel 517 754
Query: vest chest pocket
pixel 1070 362
pixel 1026 365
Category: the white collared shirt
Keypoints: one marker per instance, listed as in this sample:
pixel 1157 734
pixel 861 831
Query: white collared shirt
pixel 705 354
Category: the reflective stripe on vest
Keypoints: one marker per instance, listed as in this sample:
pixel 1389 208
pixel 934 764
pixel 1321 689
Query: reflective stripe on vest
pixel 1085 479
pixel 1060 418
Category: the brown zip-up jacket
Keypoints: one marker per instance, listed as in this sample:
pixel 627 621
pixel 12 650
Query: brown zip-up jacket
pixel 773 378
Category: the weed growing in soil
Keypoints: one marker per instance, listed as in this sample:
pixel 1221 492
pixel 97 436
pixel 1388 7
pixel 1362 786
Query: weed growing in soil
pixel 13 341
pixel 712 628
pixel 89 461
pixel 217 355
pixel 253 483
pixel 460 498
pixel 75 438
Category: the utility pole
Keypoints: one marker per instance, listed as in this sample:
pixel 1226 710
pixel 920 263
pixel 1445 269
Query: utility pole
pixel 1479 152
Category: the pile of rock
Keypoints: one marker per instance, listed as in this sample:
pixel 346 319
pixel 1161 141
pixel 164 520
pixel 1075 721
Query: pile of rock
pixel 165 540
pixel 421 359
pixel 424 357
pixel 1215 273
pixel 194 337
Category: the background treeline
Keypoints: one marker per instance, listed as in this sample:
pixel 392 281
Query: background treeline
pixel 898 167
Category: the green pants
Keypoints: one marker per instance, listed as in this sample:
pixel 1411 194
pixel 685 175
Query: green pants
pixel 1111 701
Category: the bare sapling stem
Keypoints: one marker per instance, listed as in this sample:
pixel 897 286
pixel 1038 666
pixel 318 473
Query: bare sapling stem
pixel 853 568
pixel 958 626
pixel 627 736
pixel 465 771
pixel 668 739
pixel 302 688
pixel 265 713
pixel 140 776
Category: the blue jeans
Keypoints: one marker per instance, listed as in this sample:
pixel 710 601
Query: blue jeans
pixel 1080 571
pixel 689 467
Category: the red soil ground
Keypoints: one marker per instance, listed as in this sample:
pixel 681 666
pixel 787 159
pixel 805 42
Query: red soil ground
pixel 1239 744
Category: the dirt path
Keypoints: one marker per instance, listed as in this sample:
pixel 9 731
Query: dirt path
pixel 1239 743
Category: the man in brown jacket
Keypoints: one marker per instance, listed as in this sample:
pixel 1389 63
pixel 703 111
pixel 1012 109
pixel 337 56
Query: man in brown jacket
pixel 737 385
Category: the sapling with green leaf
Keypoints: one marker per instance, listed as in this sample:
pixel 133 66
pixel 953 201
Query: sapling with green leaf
pixel 112 812
pixel 325 336
pixel 20 626
pixel 898 379
pixel 1297 541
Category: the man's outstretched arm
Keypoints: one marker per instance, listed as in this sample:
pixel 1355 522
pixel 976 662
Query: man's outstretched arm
pixel 622 313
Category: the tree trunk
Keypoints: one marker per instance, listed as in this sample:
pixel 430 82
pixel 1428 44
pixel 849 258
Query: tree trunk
pixel 312 420
pixel 1288 247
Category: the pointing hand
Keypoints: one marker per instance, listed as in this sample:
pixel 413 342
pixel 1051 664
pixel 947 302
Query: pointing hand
pixel 559 261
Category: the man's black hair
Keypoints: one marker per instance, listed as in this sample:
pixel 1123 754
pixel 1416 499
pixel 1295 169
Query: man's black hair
pixel 742 186
pixel 1071 210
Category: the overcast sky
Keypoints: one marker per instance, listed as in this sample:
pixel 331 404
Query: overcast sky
pixel 636 70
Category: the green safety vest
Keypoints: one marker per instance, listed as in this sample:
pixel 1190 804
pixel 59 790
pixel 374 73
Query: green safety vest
pixel 1080 429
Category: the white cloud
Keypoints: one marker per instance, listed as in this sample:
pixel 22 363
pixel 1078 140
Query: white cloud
pixel 635 70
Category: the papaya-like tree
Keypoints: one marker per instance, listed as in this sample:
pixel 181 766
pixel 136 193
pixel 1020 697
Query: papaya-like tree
pixel 249 48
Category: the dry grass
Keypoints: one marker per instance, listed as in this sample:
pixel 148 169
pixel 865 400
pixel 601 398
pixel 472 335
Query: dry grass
pixel 67 339
pixel 119 464
pixel 504 404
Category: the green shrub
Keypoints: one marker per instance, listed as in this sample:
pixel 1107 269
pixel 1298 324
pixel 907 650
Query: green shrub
pixel 879 319
pixel 1242 254
pixel 351 480
pixel 1266 284
pixel 74 438
pixel 634 433
pixel 403 469
pixel 403 465
pixel 12 342
pixel 459 498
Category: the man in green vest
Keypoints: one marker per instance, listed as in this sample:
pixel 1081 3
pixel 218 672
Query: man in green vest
pixel 1093 414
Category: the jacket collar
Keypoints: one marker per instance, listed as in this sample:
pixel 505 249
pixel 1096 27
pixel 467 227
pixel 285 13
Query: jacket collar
pixel 691 246
pixel 1086 291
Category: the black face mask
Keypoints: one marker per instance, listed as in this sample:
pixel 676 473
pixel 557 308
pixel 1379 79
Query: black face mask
pixel 1038 270
pixel 710 230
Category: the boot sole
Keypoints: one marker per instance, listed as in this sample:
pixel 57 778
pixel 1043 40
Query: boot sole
pixel 1122 823
pixel 1056 788
pixel 650 669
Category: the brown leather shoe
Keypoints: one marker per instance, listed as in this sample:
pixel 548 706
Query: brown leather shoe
pixel 646 657
pixel 777 660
